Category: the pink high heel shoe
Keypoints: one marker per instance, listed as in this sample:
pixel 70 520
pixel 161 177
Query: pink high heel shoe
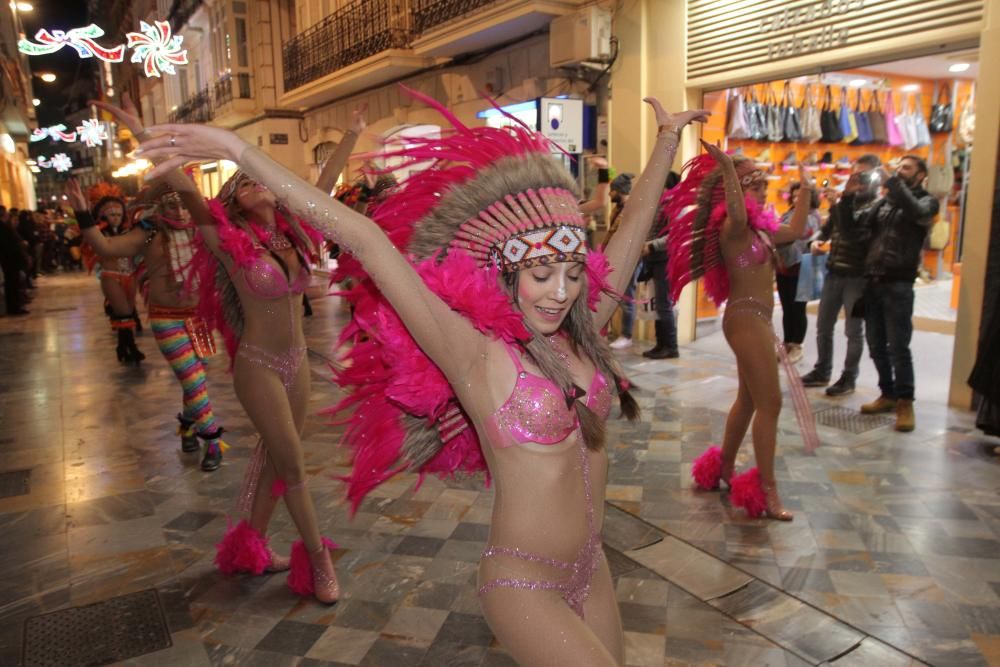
pixel 312 572
pixel 243 549
pixel 711 468
pixel 757 498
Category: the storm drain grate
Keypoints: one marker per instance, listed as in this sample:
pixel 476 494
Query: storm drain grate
pixel 852 421
pixel 97 634
pixel 15 483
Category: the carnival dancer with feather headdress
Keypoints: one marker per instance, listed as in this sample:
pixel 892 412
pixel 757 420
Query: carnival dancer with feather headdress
pixel 250 268
pixel 719 229
pixel 486 337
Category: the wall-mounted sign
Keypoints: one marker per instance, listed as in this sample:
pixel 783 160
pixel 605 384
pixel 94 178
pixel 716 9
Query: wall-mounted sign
pixel 561 120
pixel 279 139
pixel 807 36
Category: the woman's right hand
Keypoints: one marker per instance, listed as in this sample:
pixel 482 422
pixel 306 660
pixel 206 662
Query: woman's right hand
pixel 74 195
pixel 719 155
pixel 179 143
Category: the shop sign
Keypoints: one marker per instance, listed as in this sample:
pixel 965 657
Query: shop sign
pixel 561 121
pixel 806 37
pixel 279 139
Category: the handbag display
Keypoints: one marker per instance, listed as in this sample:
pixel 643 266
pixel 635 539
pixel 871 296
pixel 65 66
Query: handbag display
pixel 829 124
pixel 756 117
pixel 941 177
pixel 906 123
pixel 876 120
pixel 861 120
pixel 848 126
pixel 775 132
pixel 738 126
pixel 812 128
pixel 791 123
pixel 940 235
pixel 967 119
pixel 923 133
pixel 891 127
pixel 942 114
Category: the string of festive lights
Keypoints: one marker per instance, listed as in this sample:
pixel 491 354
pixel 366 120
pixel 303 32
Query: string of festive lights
pixel 55 132
pixel 80 39
pixel 92 132
pixel 60 162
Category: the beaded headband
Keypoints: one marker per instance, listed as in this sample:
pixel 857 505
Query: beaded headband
pixel 531 228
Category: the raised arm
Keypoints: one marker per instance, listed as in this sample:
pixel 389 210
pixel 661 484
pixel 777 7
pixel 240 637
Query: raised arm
pixel 126 245
pixel 796 229
pixel 337 161
pixel 625 248
pixel 444 335
pixel 735 225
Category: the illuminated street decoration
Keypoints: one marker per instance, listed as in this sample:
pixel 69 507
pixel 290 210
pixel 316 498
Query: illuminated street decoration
pixel 92 132
pixel 81 39
pixel 60 162
pixel 156 48
pixel 56 132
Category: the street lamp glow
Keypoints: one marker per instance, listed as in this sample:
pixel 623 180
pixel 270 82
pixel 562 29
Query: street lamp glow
pixel 23 7
pixel 47 77
pixel 959 67
pixel 35 101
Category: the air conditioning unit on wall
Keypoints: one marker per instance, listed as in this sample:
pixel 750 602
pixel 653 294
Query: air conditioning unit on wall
pixel 581 37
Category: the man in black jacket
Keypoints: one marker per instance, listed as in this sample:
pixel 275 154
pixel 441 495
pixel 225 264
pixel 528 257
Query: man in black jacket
pixel 899 223
pixel 845 278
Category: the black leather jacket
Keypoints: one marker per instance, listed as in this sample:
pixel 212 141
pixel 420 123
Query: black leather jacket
pixel 848 235
pixel 898 224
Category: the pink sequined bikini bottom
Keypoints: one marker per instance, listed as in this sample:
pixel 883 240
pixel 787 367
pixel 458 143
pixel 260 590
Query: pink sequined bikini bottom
pixel 284 364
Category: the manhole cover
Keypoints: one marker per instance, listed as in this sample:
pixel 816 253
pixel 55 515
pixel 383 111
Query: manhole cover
pixel 15 483
pixel 97 634
pixel 852 421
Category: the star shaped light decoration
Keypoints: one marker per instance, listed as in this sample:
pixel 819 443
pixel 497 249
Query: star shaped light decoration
pixel 92 132
pixel 157 48
pixel 61 162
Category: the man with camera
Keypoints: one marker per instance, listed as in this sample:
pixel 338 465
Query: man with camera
pixel 898 224
pixel 846 240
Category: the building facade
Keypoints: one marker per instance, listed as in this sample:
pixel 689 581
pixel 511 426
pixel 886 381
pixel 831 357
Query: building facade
pixel 17 115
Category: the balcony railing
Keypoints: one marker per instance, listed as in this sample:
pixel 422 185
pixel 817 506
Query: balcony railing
pixel 203 107
pixel 357 31
pixel 429 14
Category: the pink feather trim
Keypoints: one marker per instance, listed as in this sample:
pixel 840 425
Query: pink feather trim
pixel 598 269
pixel 746 491
pixel 242 549
pixel 707 469
pixel 278 488
pixel 300 577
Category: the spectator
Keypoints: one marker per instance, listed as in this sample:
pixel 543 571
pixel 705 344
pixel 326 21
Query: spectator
pixel 28 231
pixel 654 257
pixel 847 244
pixel 898 225
pixel 619 190
pixel 793 313
pixel 13 261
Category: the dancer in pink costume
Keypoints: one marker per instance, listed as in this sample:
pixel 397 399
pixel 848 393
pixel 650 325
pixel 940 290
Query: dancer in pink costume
pixel 251 268
pixel 484 336
pixel 721 231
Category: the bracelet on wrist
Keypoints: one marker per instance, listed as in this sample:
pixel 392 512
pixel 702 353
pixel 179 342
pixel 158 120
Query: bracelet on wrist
pixel 668 128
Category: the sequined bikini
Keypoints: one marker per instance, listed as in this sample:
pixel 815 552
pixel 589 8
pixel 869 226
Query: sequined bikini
pixel 268 282
pixel 536 411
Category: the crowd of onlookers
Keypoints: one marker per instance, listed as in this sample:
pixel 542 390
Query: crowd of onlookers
pixel 33 243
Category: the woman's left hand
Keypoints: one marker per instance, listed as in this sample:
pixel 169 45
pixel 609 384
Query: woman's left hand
pixel 179 143
pixel 678 120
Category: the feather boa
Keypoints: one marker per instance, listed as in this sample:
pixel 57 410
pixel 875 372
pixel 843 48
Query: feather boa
pixel 691 258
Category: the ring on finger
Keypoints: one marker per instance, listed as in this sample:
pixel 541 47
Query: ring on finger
pixel 173 141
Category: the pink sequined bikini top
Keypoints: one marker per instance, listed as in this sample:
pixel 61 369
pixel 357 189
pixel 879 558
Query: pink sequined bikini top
pixel 269 282
pixel 536 410
pixel 758 252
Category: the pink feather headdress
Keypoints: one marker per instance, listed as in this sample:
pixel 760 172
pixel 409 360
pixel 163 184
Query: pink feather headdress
pixel 492 201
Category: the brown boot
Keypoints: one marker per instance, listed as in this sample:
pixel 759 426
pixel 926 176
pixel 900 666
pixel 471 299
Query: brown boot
pixel 905 420
pixel 879 405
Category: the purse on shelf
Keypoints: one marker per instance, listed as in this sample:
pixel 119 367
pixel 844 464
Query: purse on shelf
pixel 755 117
pixel 848 126
pixel 906 123
pixel 738 127
pixel 892 134
pixel 829 124
pixel 792 121
pixel 923 133
pixel 774 117
pixel 861 120
pixel 812 129
pixel 967 119
pixel 942 114
pixel 876 120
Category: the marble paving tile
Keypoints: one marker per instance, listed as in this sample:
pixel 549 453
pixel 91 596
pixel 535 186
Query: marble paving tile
pixel 695 571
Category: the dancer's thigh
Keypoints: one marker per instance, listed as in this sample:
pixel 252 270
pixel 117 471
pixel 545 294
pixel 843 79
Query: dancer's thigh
pixel 539 630
pixel 601 613
pixel 298 396
pixel 262 396
pixel 116 296
pixel 753 345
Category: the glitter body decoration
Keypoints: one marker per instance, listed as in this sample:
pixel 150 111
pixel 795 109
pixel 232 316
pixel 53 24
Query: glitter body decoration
pixel 156 48
pixel 55 132
pixel 92 132
pixel 80 39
